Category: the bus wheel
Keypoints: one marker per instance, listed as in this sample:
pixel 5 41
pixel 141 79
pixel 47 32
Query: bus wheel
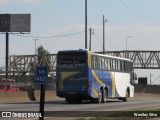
pixel 105 94
pixel 127 95
pixel 100 97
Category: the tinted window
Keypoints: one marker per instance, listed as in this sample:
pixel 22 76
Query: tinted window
pixel 72 58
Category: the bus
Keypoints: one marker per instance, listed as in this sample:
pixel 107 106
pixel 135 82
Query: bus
pixel 84 75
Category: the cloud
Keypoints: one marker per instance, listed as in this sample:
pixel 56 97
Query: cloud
pixel 5 1
pixel 144 37
pixel 18 1
pixel 28 1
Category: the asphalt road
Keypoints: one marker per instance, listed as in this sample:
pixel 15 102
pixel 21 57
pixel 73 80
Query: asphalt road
pixel 61 109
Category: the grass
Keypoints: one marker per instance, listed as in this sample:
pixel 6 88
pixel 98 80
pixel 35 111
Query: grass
pixel 113 118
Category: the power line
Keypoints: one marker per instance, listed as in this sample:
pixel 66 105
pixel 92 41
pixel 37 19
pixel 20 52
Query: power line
pixel 62 35
pixel 65 35
pixel 137 13
pixel 99 43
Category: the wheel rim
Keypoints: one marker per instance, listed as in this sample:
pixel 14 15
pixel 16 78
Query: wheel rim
pixel 105 95
pixel 100 97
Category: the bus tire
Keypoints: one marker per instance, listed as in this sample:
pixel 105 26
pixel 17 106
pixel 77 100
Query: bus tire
pixel 127 96
pixel 105 94
pixel 100 97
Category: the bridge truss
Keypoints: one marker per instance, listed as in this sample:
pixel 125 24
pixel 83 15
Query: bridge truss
pixel 141 59
pixel 22 64
pixel 27 63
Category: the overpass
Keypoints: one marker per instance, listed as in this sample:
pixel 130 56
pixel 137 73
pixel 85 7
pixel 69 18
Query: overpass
pixel 22 64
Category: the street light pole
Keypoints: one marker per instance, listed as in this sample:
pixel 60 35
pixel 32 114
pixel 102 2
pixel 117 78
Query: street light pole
pixel 35 45
pixel 127 55
pixel 104 34
pixel 85 24
pixel 90 43
pixel 126 41
pixel 90 39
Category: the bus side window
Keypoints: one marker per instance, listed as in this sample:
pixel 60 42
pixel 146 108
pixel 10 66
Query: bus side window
pixel 121 69
pixel 111 65
pixel 114 64
pixel 97 63
pixel 130 69
pixel 127 66
pixel 131 66
pixel 92 62
pixel 115 61
pixel 124 66
pixel 118 65
pixel 103 64
pixel 100 63
pixel 108 63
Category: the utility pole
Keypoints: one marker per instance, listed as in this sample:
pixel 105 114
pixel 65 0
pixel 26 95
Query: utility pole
pixel 90 30
pixel 90 43
pixel 127 55
pixel 127 40
pixel 104 34
pixel 85 24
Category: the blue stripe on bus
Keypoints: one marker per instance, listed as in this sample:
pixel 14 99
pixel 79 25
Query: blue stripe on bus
pixel 104 78
pixel 98 78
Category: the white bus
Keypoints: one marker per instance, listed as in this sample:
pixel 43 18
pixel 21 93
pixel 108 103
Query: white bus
pixel 81 74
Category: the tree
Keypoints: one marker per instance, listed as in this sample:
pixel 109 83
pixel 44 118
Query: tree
pixel 43 59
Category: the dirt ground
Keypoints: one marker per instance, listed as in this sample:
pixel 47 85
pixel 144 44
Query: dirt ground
pixel 146 95
pixel 22 96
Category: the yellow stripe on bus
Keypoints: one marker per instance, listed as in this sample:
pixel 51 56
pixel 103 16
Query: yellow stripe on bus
pixel 95 92
pixel 113 85
pixel 97 79
pixel 89 59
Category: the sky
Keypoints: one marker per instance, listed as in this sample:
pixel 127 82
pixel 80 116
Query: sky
pixel 50 18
